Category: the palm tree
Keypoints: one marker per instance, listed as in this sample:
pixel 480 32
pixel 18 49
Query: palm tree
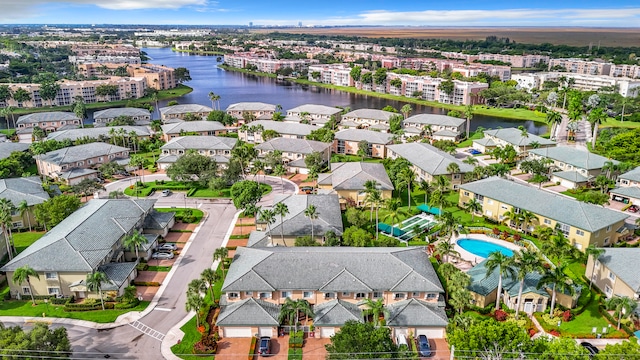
pixel 195 302
pixel 291 310
pixel 22 274
pixel 511 216
pixel 504 264
pixel 470 160
pixel 596 117
pixel 439 200
pixel 116 194
pixel 94 283
pixel 282 210
pixel 312 213
pixel 425 186
pixel 196 286
pixel 553 118
pixel 210 277
pixel 525 262
pixel 135 241
pixel 6 209
pixel 473 206
pixel 453 168
pixel 23 207
pixel 543 233
pixel 527 218
pixel 622 305
pixel 405 178
pixel 558 281
pixel 213 97
pixel 394 211
pixel 442 183
pixel 468 115
pixel 268 216
pixel 220 254
pixel 594 252
pixel 279 170
pixel 446 249
pixel 377 200
pixel 375 309
pixel 370 187
pixel 406 110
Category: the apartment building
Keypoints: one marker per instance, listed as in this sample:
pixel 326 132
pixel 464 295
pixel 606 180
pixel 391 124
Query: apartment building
pixel 265 64
pixel 138 115
pixel 252 133
pixel 439 127
pixel 425 64
pixel 583 224
pixel 191 128
pixel 313 114
pixel 614 272
pixel 177 112
pixel 348 180
pixel 18 190
pixel 518 61
pixel 627 87
pixel 48 121
pixel 157 76
pixel 294 151
pixel 511 136
pixel 471 70
pixel 347 142
pixel 625 70
pixel 129 133
pixel 580 66
pixel 367 118
pixel 336 74
pixel 216 147
pixel 105 59
pixel 259 110
pixel 84 49
pixel 628 188
pixel 464 93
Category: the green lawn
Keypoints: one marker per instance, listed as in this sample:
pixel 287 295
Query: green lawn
pixel 191 336
pixel 351 158
pixel 22 240
pixel 585 322
pixel 159 268
pixel 24 308
pixel 469 142
pixel 182 211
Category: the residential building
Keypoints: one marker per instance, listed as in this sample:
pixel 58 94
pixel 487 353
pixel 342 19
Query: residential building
pixel 157 76
pixel 83 49
pixel 217 147
pixel 336 74
pixel 266 64
pixel 346 142
pixel 103 117
pixel 17 190
pixel 517 61
pixel 627 87
pixel 199 128
pixel 428 88
pixel 253 133
pixel 581 66
pixel 63 257
pixel 366 118
pixel 583 224
pixel 104 59
pixel 177 112
pixel 313 114
pixel 625 70
pixel 101 133
pixel 520 141
pixel 348 181
pixel 60 164
pixel 7 147
pixel 258 110
pixel 48 121
pixel 535 298
pixel 473 70
pixel 614 272
pixel 294 151
pixel 439 127
pixel 334 281
pixel 628 188
pixel 630 178
pixel 428 162
pixel 295 223
pixel 576 166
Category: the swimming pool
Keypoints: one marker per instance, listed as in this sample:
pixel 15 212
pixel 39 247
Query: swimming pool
pixel 482 248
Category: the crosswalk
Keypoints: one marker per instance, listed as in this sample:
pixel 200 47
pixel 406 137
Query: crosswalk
pixel 147 330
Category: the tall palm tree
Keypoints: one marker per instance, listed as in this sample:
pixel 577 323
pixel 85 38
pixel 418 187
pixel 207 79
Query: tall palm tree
pixel 291 310
pixel 23 208
pixel 554 118
pixel 470 160
pixel 446 249
pixel 425 186
pixel 220 254
pixel 559 281
pixel 596 117
pixel 212 97
pixel 406 110
pixel 279 170
pixel 135 241
pixel 375 309
pixel 623 306
pixel 94 283
pixel 394 211
pixel 23 274
pixel 281 209
pixel 527 217
pixel 196 286
pixel 406 178
pixel 116 194
pixel 543 233
pixel 504 264
pixel 268 216
pixel 473 206
pixel 511 217
pixel 442 183
pixel 6 209
pixel 195 302
pixel 370 187
pixel 525 262
pixel 210 277
pixel 312 213
pixel 439 200
pixel 594 252
pixel 468 115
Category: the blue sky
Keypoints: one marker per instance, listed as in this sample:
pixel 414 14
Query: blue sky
pixel 619 13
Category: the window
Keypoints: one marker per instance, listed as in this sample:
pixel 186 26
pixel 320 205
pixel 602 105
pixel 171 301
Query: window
pixel 248 293
pixel 415 294
pixel 346 293
pixel 361 295
pixel 329 295
pixel 432 296
pixel 479 197
pixel 608 228
pixel 489 213
pixel 597 264
pixel 233 295
pixel 53 291
pixel 612 276
pixel 307 294
pixel 399 296
pixel 285 294
pixel 265 295
pixel 377 294
pixel 51 276
pixel 489 202
pixel 606 241
pixel 579 232
pixel 608 290
pixel 26 290
pixel 466 193
pixel 503 207
pixel 547 221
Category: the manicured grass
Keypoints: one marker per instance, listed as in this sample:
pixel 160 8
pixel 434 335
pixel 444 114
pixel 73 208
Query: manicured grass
pixel 611 122
pixel 25 308
pixel 197 214
pixel 159 268
pixel 469 141
pixel 191 336
pixel 22 240
pixel 351 158
pixel 585 322
pixel 8 132
pixel 208 193
pixel 139 192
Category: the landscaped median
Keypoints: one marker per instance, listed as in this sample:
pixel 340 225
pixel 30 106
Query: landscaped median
pixel 141 189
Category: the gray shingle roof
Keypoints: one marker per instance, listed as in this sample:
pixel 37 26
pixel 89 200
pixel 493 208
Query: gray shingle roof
pixel 373 137
pixel 76 173
pixel 630 191
pixel 200 143
pixel 192 126
pixel 623 262
pixel 428 158
pixel 316 109
pixel 514 136
pixel 283 128
pixel 27 189
pixel 484 285
pixel 414 312
pixel 185 108
pixel 582 159
pixel 370 114
pixel 296 224
pixel 447 133
pixel 115 112
pixel 74 154
pixel 297 146
pixel 251 106
pixel 336 313
pixel 572 212
pixel 94 133
pixel 118 274
pixel 353 176
pixel 84 239
pixel 158 220
pixel 633 175
pixel 249 312
pixel 47 116
pixel 258 239
pixel 434 119
pixel 488 142
pixel 314 268
pixel 571 175
pixel 6 148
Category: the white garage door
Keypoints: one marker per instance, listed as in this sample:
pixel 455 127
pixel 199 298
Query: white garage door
pixel 327 332
pixel 432 333
pixel 265 331
pixel 237 332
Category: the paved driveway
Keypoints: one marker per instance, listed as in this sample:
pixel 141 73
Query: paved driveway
pixel 314 348
pixel 233 348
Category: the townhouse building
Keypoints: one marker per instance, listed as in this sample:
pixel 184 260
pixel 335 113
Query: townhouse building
pixel 313 114
pixel 48 121
pixel 520 141
pixel 627 190
pixel 438 127
pixel 257 110
pixel 614 272
pixel 294 151
pixel 190 128
pixel 216 147
pixel 348 180
pixel 367 119
pixel 252 132
pixel 19 190
pixel 347 142
pixel 104 133
pixel 177 112
pixel 138 115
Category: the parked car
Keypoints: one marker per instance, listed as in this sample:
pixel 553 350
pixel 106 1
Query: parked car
pixel 423 346
pixel 474 152
pixel 265 346
pixel 166 192
pixel 307 189
pixel 590 348
pixel 633 208
pixel 167 247
pixel 162 255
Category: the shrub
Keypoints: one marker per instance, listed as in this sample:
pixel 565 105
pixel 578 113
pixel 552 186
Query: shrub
pixel 567 316
pixel 142 266
pixel 500 315
pixel 127 305
pixel 554 332
pixel 206 345
pixel 82 307
pixel 295 354
pixel 252 349
pixel 146 283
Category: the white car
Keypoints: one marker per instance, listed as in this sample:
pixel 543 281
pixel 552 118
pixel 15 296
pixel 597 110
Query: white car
pixel 166 192
pixel 167 247
pixel 162 255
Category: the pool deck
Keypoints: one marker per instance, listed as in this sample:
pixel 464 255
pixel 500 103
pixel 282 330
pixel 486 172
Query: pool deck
pixel 475 259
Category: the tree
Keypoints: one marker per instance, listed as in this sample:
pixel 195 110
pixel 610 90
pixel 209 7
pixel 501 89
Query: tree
pixel 355 73
pixel 21 95
pixel 595 253
pixel 468 115
pixel 394 211
pixel 314 161
pixel 596 117
pixel 553 118
pixel 564 349
pixel 24 274
pixel 406 110
pixel 364 149
pixel 312 213
pixel 445 249
pixel 375 309
pixel 425 186
pixel 6 211
pixel 94 283
pixel 191 117
pixel 194 303
pixel 626 350
pixel 406 178
pixel 323 134
pixel 490 339
pixel 182 75
pixel 268 216
pixel 623 307
pixel 23 208
pixel 86 187
pixel 291 310
pixel 196 286
pixel 135 241
pixel 40 342
pixel 215 99
pixel 80 109
pixel 558 280
pixel 356 217
pixel 49 91
pixel 447 87
pixel 473 206
pixel 361 341
pixel 244 154
pixel 281 209
pixel 220 254
pixel 53 211
pixel 525 262
pixel 245 193
pixel 193 167
pixel 504 265
pixel 210 277
pixel 357 237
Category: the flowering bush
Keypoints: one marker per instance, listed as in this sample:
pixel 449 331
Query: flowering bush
pixel 555 333
pixel 567 316
pixel 500 315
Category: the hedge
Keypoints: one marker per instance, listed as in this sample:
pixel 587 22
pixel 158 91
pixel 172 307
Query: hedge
pixel 612 320
pixel 142 266
pixel 252 349
pixel 84 307
pixel 146 283
pixel 295 354
pixel 127 305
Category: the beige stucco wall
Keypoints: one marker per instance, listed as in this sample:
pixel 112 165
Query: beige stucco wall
pixel 602 279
